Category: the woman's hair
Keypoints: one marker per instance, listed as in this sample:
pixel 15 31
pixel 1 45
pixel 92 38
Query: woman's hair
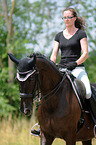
pixel 80 22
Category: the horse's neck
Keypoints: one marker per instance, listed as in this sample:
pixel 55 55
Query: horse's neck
pixel 49 78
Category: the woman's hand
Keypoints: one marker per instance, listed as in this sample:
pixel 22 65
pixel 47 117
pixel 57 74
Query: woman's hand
pixel 71 65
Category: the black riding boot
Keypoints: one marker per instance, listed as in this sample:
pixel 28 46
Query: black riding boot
pixel 92 108
pixel 91 103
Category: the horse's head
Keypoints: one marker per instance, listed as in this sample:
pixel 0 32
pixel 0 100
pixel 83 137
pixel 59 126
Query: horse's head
pixel 27 79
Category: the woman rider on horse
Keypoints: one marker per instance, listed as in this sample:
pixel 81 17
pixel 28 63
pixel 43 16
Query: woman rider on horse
pixel 71 41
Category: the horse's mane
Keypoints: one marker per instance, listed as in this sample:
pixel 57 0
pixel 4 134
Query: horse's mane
pixel 39 55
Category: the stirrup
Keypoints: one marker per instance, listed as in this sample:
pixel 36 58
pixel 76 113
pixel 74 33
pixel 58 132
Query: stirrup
pixel 35 132
pixel 94 130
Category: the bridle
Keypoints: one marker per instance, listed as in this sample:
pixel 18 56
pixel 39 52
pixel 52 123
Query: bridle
pixel 27 75
pixel 36 86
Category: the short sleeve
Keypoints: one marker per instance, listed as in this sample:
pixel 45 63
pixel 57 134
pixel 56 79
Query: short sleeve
pixel 82 34
pixel 57 37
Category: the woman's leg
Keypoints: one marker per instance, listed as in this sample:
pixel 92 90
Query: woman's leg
pixel 81 74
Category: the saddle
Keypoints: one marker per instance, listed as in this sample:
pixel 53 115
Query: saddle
pixel 93 88
pixel 79 88
pixel 80 92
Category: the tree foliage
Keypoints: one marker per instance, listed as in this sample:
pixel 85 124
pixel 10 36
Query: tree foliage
pixel 33 25
pixel 22 24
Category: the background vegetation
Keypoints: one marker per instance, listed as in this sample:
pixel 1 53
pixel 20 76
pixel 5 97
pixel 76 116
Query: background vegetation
pixel 17 132
pixel 28 26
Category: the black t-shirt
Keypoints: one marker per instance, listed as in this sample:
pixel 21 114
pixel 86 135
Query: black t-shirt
pixel 70 48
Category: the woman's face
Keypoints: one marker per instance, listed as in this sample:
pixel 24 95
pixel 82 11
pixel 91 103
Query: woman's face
pixel 68 18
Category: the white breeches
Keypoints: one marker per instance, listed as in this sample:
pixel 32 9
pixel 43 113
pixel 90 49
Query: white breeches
pixel 80 73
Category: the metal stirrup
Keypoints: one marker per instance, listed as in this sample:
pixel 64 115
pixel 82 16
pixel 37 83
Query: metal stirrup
pixel 33 129
pixel 94 130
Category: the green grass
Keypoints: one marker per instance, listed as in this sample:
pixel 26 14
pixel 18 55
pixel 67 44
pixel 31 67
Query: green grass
pixel 17 132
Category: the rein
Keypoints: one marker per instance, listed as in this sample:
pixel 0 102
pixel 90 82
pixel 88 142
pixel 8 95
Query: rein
pixel 55 89
pixel 36 87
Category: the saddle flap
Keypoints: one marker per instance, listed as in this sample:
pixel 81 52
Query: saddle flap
pixel 80 87
pixel 77 86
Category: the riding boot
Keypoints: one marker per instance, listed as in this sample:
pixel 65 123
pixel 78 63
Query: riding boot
pixel 91 103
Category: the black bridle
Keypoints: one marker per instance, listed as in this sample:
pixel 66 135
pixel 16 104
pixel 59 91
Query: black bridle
pixel 36 88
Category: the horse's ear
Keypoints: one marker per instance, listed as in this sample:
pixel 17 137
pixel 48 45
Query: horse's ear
pixel 32 62
pixel 13 58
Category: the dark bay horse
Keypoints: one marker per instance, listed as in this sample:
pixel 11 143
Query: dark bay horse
pixel 59 111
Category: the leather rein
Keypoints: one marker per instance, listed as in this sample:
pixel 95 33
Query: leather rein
pixel 36 87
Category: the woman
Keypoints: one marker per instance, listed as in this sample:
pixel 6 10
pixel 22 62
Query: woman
pixel 71 41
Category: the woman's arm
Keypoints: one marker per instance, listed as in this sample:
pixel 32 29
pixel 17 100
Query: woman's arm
pixel 84 47
pixel 55 51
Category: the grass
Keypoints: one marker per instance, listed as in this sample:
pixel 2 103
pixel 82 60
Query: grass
pixel 17 132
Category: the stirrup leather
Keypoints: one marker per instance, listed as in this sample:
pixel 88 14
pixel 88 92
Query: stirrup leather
pixel 94 130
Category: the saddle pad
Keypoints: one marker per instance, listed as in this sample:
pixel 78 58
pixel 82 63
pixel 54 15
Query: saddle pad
pixel 78 88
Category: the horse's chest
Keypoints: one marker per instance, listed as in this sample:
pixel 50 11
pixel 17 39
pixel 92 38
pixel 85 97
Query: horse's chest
pixel 52 123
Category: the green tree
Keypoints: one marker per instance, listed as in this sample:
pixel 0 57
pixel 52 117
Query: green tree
pixel 22 24
pixel 90 65
pixel 28 26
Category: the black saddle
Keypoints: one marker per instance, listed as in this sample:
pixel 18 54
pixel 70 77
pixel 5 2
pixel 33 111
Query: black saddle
pixel 80 92
pixel 93 89
pixel 79 89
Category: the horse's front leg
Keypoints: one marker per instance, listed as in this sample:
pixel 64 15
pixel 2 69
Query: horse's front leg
pixel 71 142
pixel 46 139
pixel 71 138
pixel 88 142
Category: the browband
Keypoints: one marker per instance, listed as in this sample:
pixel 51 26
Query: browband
pixel 28 74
